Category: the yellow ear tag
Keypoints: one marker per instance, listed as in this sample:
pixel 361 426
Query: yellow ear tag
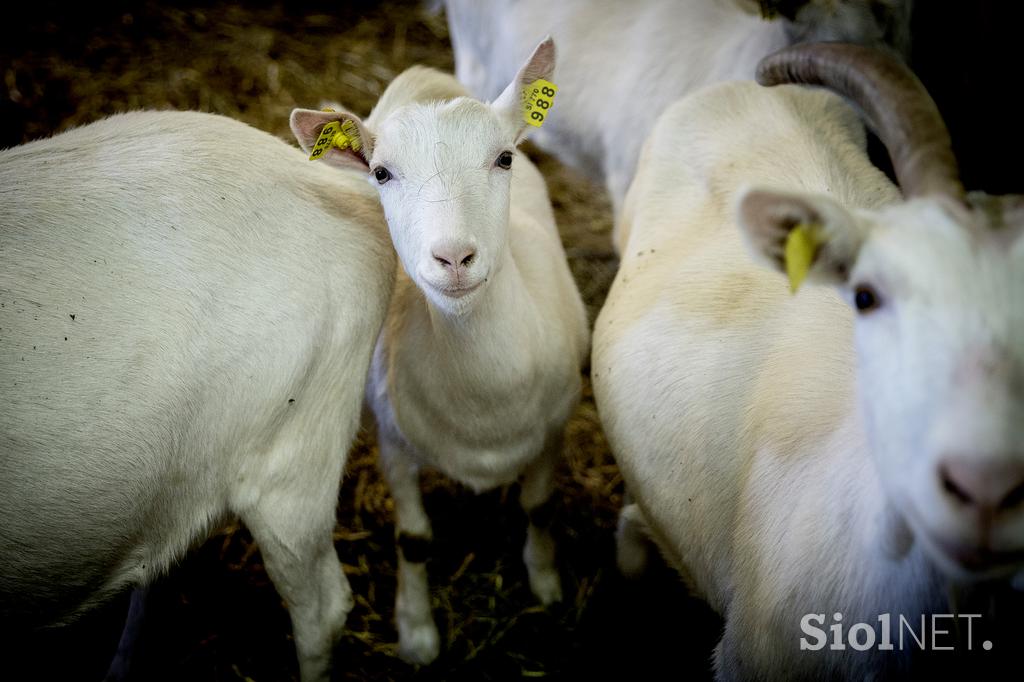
pixel 336 134
pixel 801 247
pixel 538 98
pixel 350 133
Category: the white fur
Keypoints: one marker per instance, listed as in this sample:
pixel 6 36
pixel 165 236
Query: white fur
pixel 188 309
pixel 481 386
pixel 784 452
pixel 623 63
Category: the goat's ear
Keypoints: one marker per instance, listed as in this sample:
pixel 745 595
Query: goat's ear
pixel 824 248
pixel 352 146
pixel 540 65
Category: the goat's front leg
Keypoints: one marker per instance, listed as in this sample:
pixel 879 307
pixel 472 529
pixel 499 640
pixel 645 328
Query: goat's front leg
pixel 418 640
pixel 539 504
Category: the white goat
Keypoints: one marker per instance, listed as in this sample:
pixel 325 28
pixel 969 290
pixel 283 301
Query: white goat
pixel 624 63
pixel 477 370
pixel 188 309
pixel 788 455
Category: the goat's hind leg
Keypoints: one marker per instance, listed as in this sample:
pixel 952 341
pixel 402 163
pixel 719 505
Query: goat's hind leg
pixel 292 515
pixel 124 665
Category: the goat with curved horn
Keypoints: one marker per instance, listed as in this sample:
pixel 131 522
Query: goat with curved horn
pixel 895 102
pixel 819 466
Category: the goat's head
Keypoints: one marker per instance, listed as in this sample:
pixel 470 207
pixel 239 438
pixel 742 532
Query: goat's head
pixel 937 282
pixel 444 171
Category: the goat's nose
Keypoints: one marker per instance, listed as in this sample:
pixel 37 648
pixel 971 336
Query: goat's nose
pixel 454 256
pixel 984 485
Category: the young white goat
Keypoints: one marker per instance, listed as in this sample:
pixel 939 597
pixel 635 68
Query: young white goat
pixel 624 63
pixel 844 450
pixel 477 369
pixel 188 309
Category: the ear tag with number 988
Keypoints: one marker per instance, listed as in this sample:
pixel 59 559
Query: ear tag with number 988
pixel 340 134
pixel 538 98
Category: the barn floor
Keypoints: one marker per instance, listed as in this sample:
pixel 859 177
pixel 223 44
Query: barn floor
pixel 216 616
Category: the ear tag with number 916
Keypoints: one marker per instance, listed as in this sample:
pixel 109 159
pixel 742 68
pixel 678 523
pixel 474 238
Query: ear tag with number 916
pixel 538 98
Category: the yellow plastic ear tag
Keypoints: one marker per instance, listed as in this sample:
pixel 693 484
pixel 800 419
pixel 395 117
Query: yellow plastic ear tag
pixel 349 136
pixel 340 134
pixel 538 98
pixel 801 247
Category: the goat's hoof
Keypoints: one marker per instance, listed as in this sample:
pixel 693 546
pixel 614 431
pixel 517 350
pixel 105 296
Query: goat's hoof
pixel 546 585
pixel 419 644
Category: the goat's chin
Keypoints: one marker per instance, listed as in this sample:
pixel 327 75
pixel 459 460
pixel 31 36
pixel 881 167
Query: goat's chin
pixel 454 303
pixel 970 564
pixel 963 560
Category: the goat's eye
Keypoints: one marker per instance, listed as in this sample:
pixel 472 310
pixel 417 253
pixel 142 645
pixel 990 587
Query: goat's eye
pixel 865 298
pixel 382 174
pixel 504 160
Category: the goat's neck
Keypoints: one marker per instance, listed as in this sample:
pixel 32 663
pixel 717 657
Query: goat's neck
pixel 885 555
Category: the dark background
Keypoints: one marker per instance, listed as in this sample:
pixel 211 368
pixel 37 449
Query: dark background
pixel 216 616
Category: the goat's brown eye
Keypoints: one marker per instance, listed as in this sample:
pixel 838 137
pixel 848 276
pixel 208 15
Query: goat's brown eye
pixel 865 298
pixel 382 174
pixel 504 160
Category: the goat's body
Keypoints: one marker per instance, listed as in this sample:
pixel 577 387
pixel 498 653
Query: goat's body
pixel 481 392
pixel 610 97
pixel 731 405
pixel 189 310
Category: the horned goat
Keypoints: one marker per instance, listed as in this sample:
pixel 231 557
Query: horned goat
pixel 847 450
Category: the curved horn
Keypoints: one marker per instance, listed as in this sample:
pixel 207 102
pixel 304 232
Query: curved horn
pixel 895 102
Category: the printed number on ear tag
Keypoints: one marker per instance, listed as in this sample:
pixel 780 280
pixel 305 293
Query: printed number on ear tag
pixel 336 134
pixel 326 140
pixel 801 247
pixel 538 98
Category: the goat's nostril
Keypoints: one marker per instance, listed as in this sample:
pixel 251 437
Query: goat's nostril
pixel 953 489
pixel 454 257
pixel 989 485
